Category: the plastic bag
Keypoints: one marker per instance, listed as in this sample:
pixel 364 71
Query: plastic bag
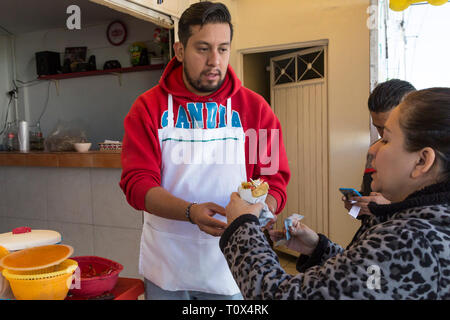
pixel 65 134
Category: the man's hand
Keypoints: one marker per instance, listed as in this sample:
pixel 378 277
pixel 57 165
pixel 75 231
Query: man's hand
pixel 363 202
pixel 202 215
pixel 238 207
pixel 271 203
pixel 269 225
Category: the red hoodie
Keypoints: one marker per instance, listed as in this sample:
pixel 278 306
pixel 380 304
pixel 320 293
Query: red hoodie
pixel 141 151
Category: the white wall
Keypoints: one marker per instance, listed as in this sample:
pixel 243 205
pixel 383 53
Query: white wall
pixel 5 78
pixel 98 103
pixel 85 205
pixel 262 23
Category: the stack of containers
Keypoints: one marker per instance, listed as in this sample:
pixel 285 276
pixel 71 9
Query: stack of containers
pixel 35 265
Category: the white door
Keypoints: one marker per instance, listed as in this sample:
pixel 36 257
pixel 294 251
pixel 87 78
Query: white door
pixel 299 99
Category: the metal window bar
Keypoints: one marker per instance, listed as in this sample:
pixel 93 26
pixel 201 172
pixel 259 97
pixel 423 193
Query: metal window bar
pixel 282 71
pixel 312 68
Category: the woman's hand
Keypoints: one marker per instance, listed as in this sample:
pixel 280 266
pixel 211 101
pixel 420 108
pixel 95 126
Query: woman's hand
pixel 363 202
pixel 303 239
pixel 238 207
pixel 347 204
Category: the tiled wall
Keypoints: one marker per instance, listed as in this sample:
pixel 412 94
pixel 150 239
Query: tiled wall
pixel 85 205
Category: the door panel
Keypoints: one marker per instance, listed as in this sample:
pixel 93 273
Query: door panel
pixel 301 106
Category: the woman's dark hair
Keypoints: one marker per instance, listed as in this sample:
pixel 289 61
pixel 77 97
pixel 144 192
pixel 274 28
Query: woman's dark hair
pixel 388 95
pixel 425 122
pixel 201 13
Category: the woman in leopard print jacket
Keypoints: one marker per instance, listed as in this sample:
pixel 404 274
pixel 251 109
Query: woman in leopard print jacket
pixel 401 251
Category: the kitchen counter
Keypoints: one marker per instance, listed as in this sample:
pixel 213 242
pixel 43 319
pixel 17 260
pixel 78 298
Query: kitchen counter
pixel 76 194
pixel 91 159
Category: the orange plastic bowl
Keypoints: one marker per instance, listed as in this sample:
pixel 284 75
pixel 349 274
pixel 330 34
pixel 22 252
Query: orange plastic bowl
pixel 51 283
pixel 94 276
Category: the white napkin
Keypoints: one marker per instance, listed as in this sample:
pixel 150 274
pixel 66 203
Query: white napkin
pixel 354 211
pixel 266 215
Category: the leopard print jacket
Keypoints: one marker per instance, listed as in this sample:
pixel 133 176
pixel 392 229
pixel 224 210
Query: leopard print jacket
pixel 402 252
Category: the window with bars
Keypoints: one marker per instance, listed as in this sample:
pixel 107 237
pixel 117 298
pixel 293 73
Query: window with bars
pixel 300 67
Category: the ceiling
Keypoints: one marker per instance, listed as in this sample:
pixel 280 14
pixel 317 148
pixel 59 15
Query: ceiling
pixel 23 16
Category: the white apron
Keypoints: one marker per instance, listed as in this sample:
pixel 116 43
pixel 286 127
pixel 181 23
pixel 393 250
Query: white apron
pixel 198 165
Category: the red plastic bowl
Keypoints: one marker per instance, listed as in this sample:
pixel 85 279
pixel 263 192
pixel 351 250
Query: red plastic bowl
pixel 99 283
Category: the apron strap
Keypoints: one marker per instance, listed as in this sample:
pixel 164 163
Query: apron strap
pixel 170 121
pixel 229 113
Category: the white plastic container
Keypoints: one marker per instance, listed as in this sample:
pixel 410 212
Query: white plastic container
pixel 24 137
pixel 33 238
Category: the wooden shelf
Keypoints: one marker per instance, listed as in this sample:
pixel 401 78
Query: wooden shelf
pixel 91 159
pixel 61 76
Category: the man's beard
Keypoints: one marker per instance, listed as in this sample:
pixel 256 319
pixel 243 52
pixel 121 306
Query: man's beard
pixel 196 84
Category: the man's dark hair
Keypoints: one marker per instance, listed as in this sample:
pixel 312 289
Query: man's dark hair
pixel 388 95
pixel 201 13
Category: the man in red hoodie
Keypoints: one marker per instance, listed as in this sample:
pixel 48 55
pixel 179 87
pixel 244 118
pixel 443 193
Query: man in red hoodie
pixel 185 151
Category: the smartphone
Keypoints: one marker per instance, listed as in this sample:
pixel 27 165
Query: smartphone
pixel 350 192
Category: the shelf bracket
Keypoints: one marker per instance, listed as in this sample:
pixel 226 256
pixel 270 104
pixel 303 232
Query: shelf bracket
pixel 119 77
pixel 56 82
